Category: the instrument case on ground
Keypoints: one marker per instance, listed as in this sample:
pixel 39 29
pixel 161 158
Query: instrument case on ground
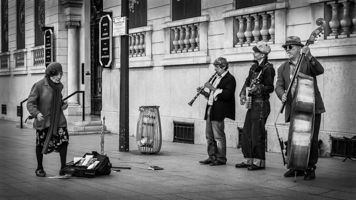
pixel 103 167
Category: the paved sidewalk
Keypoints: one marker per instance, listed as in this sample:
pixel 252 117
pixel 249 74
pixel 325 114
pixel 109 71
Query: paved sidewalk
pixel 182 178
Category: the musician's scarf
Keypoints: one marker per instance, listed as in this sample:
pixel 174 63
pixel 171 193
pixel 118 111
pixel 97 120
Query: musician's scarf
pixel 56 102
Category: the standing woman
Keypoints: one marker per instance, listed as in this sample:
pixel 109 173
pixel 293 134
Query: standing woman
pixel 45 104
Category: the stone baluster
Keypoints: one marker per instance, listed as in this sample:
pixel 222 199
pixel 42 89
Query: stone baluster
pixel 130 45
pixel 186 39
pixel 240 33
pixel 140 47
pixel 175 40
pixel 197 37
pixel 346 20
pixel 334 22
pixel 137 43
pixel 181 39
pixel 264 29
pixel 271 29
pixel 256 31
pixel 354 23
pixel 143 43
pixel 192 38
pixel 248 32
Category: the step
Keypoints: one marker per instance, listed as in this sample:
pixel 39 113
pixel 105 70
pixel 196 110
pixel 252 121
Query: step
pixel 84 128
pixel 86 132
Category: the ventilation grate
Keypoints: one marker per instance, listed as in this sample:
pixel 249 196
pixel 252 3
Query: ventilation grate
pixel 343 147
pixel 183 132
pixel 3 109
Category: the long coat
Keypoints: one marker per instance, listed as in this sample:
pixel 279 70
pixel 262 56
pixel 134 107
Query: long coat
pixel 224 106
pixel 283 80
pixel 39 101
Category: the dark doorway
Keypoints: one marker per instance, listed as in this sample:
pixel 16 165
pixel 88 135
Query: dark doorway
pixel 96 69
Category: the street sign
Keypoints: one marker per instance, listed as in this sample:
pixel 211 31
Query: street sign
pixel 119 26
pixel 105 41
pixel 48 54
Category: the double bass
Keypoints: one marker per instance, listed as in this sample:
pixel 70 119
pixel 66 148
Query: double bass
pixel 303 111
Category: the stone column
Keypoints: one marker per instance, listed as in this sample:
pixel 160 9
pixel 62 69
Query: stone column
pixel 72 11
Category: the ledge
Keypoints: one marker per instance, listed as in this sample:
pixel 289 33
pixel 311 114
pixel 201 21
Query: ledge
pixel 36 48
pixel 5 53
pixel 199 57
pixel 255 9
pixel 37 69
pixel 145 61
pixel 141 29
pixel 5 72
pixel 19 71
pixel 20 51
pixel 193 20
pixel 323 48
pixel 317 1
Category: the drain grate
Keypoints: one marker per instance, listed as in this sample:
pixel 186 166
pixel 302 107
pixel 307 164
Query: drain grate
pixel 183 132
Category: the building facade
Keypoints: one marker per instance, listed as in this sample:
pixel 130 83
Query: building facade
pixel 172 45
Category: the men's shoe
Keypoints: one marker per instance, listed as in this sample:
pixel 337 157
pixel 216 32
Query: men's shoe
pixel 291 173
pixel 254 167
pixel 205 162
pixel 40 173
pixel 217 162
pixel 310 174
pixel 242 165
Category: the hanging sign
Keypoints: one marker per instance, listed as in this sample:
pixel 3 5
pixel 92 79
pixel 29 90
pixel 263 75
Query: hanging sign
pixel 48 42
pixel 119 26
pixel 105 41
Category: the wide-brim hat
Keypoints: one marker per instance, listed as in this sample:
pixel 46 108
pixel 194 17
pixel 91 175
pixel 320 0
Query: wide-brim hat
pixel 293 40
pixel 262 47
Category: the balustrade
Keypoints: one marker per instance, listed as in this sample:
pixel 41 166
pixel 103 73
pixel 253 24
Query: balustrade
pixel 137 44
pixel 344 27
pixel 19 59
pixel 4 61
pixel 263 28
pixel 38 57
pixel 185 38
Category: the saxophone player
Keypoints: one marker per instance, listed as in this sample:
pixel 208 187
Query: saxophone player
pixel 260 83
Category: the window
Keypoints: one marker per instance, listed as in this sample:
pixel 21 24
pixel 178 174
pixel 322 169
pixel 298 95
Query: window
pixel 39 21
pixel 20 24
pixel 4 26
pixel 183 9
pixel 138 13
pixel 249 3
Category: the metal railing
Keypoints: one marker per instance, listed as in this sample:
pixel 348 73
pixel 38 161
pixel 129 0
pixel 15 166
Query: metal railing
pixel 20 109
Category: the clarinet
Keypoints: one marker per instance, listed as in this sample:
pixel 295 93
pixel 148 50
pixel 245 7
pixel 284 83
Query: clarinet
pixel 201 89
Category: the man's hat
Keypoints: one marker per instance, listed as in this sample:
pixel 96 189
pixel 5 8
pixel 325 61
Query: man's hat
pixel 262 47
pixel 293 40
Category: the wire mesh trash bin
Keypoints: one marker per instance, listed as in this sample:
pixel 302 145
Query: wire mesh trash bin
pixel 148 132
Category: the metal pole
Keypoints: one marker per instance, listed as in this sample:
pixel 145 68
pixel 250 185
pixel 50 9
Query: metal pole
pixel 124 84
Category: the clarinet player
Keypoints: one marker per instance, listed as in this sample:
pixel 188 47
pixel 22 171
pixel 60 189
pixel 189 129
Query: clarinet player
pixel 221 105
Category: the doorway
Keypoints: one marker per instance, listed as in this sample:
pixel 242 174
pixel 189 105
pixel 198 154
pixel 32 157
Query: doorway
pixel 96 68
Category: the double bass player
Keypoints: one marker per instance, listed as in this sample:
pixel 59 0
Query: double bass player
pixel 310 66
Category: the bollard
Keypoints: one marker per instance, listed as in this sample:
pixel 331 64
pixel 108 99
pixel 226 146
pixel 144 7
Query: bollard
pixel 102 137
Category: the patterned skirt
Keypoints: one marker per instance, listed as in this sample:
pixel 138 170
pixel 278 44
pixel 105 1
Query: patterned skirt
pixel 60 138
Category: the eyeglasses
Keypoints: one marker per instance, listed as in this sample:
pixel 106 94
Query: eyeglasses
pixel 289 47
